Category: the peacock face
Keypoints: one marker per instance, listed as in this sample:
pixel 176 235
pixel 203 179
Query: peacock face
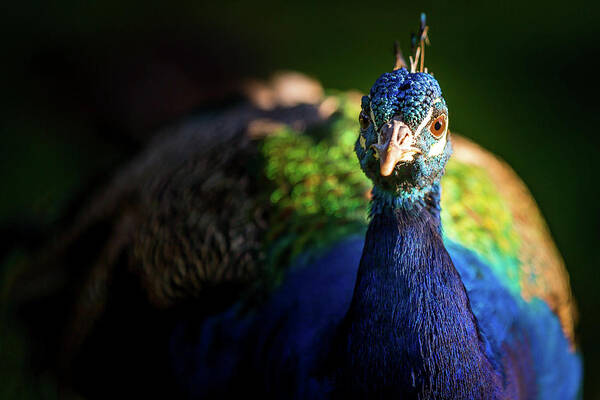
pixel 403 143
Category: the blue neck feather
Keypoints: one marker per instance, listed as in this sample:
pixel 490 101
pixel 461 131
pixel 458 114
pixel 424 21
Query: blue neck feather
pixel 428 198
pixel 410 330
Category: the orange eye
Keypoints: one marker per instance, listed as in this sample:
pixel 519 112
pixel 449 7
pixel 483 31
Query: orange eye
pixel 363 120
pixel 438 126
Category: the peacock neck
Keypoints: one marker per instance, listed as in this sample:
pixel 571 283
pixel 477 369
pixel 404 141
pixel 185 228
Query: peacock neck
pixel 410 330
pixel 412 201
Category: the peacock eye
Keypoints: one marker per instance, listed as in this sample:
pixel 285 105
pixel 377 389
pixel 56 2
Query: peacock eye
pixel 363 120
pixel 438 126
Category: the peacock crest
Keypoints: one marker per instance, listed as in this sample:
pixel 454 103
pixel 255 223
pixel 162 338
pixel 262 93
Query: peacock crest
pixel 417 43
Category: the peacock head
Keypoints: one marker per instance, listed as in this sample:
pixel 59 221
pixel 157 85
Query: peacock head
pixel 404 142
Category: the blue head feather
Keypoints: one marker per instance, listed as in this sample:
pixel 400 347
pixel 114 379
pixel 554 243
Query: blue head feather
pixel 411 94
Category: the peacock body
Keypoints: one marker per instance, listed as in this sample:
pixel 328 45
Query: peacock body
pixel 272 265
pixel 498 323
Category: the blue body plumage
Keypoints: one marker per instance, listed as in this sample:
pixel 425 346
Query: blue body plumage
pixel 283 349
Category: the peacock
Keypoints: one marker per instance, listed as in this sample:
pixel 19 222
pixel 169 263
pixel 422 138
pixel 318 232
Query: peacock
pixel 279 249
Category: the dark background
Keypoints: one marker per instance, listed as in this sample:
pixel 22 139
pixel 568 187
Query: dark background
pixel 84 84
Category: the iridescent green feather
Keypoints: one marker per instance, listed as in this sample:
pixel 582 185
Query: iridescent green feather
pixel 476 216
pixel 319 193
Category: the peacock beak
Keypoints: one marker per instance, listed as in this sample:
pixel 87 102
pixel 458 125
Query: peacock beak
pixel 395 144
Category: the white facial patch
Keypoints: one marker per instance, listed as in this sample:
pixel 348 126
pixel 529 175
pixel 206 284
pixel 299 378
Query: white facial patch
pixel 438 147
pixel 425 122
pixel 373 117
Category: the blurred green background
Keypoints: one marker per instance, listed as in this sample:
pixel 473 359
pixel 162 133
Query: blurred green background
pixel 84 84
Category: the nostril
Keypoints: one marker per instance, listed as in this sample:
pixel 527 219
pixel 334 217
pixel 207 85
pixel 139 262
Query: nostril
pixel 404 133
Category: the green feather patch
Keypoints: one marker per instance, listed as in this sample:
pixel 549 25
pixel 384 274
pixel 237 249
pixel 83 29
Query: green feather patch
pixel 319 193
pixel 475 215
